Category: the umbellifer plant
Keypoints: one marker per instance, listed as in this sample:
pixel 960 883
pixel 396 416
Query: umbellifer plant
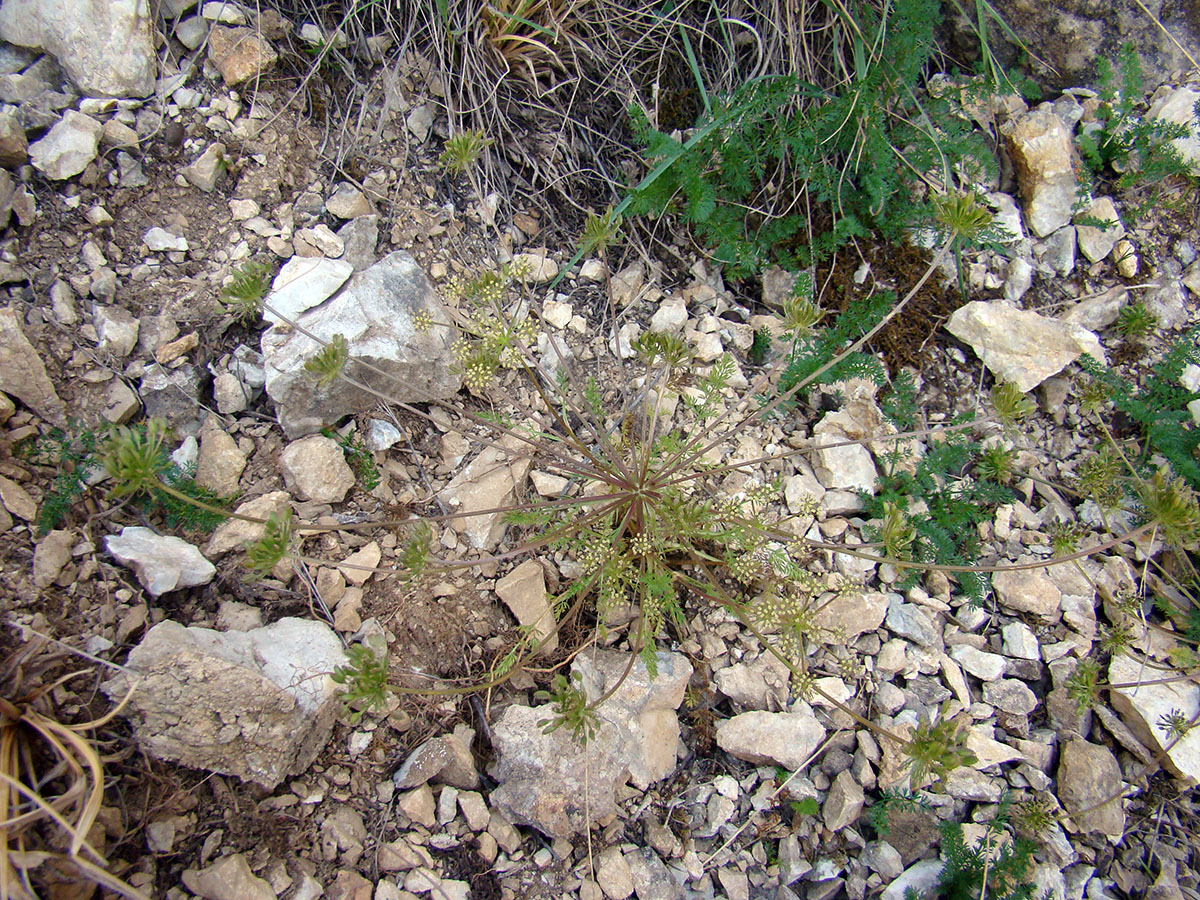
pixel 652 512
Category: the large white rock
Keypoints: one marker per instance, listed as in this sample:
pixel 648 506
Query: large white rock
pixel 257 704
pixel 1144 706
pixel 68 147
pixel 1020 346
pixel 374 312
pixel 105 46
pixel 162 562
pixel 560 787
pixel 301 284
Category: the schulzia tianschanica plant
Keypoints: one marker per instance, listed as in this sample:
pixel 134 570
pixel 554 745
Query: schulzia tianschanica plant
pixel 654 510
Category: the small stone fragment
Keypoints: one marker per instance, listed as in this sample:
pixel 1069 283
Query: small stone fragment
pixel 316 468
pixel 348 202
pixel 158 240
pixel 766 738
pixel 1087 775
pixel 163 563
pixel 539 267
pixel 208 168
pixel 51 555
pixel 1095 242
pixel 524 592
pixel 229 878
pixel 239 54
pixel 1030 591
pixel 68 147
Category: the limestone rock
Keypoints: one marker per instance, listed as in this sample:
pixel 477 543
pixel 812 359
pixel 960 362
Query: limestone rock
pixel 553 783
pixel 1143 708
pixel 316 242
pixel 844 803
pixel 1044 158
pixel 838 465
pixel 613 875
pixel 301 284
pixel 1010 695
pixel 171 394
pixel 68 147
pixel 256 704
pixel 221 461
pixel 1020 641
pixel 316 468
pixel 1096 243
pixel 105 46
pixel 204 173
pixel 224 12
pixel 766 738
pixel 229 878
pixel 359 237
pixel 910 621
pixel 374 312
pixel 14 148
pixel 51 556
pixel 446 759
pixel 348 202
pixel 540 268
pixel 233 534
pixel 642 708
pixel 1030 591
pixel 239 54
pixel 651 878
pixel 523 591
pixel 162 562
pixel 761 684
pixel 1020 346
pixel 919 878
pixel 116 329
pixel 490 480
pixel 627 284
pixel 23 373
pixel 671 315
pixel 1099 312
pixel 191 32
pixel 1088 774
pixel 1179 106
pixel 984 666
pixel 849 616
pixel 158 240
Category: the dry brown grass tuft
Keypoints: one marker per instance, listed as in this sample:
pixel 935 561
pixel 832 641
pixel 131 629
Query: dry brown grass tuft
pixel 51 781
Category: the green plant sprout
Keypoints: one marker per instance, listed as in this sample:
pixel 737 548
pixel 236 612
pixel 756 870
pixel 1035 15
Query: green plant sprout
pixel 243 296
pixel 360 459
pixel 365 677
pixel 571 708
pixel 1136 320
pixel 462 151
pixel 936 748
pixel 1139 150
pixel 72 451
